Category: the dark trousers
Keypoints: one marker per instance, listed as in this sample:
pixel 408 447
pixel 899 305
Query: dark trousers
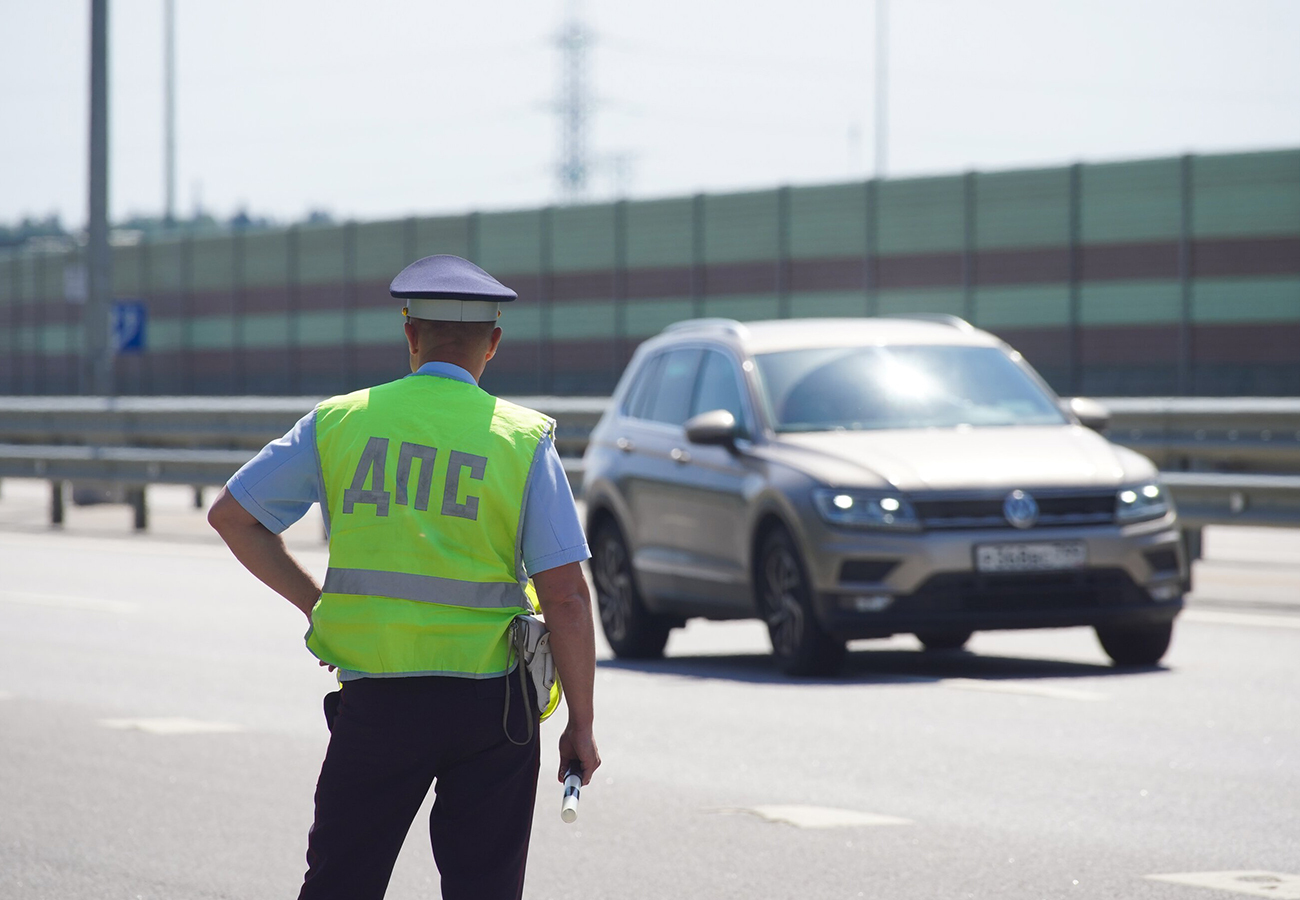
pixel 390 738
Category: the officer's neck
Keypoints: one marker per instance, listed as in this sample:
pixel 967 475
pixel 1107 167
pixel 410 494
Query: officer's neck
pixel 441 354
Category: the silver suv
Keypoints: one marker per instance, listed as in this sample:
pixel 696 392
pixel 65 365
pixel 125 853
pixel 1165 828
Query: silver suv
pixel 859 478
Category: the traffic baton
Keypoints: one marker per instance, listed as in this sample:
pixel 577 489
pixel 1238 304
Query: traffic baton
pixel 572 787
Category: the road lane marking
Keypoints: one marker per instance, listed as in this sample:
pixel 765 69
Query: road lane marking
pixel 815 816
pixel 5 695
pixel 1255 883
pixel 64 601
pixel 1219 617
pixel 169 726
pixel 1023 688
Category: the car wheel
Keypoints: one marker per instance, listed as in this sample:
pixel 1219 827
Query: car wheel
pixel 633 631
pixel 1135 645
pixel 943 640
pixel 799 644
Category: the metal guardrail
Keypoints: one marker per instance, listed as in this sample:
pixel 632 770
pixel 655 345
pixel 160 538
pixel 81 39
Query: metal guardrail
pixel 1255 434
pixel 1215 498
pixel 1245 451
pixel 218 422
pixel 124 443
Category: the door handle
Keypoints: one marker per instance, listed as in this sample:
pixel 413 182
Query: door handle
pixel 625 445
pixel 679 455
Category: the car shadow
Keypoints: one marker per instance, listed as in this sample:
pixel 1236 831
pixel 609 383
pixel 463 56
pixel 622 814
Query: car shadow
pixel 878 667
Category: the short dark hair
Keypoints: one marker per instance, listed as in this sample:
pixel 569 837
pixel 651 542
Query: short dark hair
pixel 459 333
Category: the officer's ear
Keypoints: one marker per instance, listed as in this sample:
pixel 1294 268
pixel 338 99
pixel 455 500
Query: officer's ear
pixel 493 343
pixel 412 336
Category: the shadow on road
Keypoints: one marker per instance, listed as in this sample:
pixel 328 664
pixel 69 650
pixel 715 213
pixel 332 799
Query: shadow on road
pixel 877 667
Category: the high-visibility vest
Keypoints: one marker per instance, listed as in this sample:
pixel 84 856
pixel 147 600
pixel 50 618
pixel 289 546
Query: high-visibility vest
pixel 423 481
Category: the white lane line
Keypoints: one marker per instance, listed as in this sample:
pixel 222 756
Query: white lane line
pixel 816 816
pixel 1023 688
pixel 1219 617
pixel 5 695
pixel 1255 883
pixel 63 601
pixel 171 726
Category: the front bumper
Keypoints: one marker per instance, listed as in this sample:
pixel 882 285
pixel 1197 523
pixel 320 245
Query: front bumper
pixel 933 585
pixel 967 601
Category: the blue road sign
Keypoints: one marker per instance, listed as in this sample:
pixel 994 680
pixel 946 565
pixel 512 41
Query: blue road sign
pixel 130 319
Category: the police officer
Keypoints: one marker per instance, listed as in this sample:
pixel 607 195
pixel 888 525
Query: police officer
pixel 448 512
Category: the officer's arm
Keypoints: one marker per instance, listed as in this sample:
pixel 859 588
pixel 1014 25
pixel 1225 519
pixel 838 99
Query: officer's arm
pixel 566 604
pixel 263 553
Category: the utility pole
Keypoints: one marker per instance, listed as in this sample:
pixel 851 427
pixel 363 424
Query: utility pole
pixel 574 107
pixel 96 373
pixel 882 87
pixel 169 111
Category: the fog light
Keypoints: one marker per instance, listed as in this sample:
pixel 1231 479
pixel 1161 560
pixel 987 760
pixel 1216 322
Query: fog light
pixel 869 602
pixel 1166 591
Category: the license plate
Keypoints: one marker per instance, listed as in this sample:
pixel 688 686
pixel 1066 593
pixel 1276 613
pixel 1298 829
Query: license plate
pixel 1041 556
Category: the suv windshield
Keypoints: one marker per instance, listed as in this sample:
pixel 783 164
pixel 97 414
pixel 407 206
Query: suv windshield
pixel 938 386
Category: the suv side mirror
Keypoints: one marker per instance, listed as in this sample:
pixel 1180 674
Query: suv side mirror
pixel 716 427
pixel 1090 413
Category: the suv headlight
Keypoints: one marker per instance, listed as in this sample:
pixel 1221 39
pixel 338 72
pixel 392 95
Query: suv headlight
pixel 865 509
pixel 1143 501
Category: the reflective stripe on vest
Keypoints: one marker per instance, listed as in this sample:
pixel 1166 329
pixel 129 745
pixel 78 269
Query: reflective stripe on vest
pixel 424 482
pixel 422 588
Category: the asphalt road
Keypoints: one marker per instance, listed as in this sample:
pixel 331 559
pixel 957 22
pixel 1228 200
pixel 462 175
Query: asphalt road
pixel 160 733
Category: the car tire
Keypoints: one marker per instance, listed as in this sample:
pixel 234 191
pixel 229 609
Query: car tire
pixel 935 641
pixel 799 644
pixel 1135 645
pixel 633 632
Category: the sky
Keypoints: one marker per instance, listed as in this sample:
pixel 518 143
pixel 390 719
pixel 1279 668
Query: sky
pixel 401 107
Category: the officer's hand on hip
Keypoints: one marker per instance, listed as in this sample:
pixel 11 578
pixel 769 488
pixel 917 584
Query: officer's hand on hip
pixel 578 745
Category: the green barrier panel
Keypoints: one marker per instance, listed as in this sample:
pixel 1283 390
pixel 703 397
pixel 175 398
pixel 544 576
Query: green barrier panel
pixel 510 243
pixel 381 250
pixel 1130 303
pixel 828 221
pixel 659 233
pixel 1136 201
pixel 442 234
pixel 265 259
pixel 213 263
pixel 1022 209
pixel 322 254
pixel 741 227
pixel 1232 300
pixel 1246 194
pixel 582 238
pixel 166 266
pixel 920 215
pixel 1022 306
pixel 127 271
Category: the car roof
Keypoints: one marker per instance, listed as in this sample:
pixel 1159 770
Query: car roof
pixel 798 334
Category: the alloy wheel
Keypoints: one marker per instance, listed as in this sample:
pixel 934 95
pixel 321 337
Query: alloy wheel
pixel 784 611
pixel 614 585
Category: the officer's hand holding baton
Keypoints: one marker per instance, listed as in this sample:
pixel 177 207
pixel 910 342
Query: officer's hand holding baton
pixel 578 759
pixel 572 788
pixel 578 754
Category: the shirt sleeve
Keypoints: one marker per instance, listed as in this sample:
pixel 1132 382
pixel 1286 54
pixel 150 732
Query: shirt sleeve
pixel 552 532
pixel 280 484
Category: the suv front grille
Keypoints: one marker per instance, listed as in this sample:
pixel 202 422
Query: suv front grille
pixel 1055 509
pixel 866 569
pixel 972 592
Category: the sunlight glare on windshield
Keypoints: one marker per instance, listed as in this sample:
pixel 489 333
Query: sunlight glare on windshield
pixel 904 381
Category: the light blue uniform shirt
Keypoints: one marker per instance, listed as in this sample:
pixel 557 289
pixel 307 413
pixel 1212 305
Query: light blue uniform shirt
pixel 281 483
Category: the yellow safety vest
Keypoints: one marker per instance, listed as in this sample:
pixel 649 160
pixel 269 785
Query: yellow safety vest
pixel 424 481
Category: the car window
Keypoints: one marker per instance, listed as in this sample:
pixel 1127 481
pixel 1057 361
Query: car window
pixel 718 387
pixel 675 378
pixel 855 388
pixel 643 391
